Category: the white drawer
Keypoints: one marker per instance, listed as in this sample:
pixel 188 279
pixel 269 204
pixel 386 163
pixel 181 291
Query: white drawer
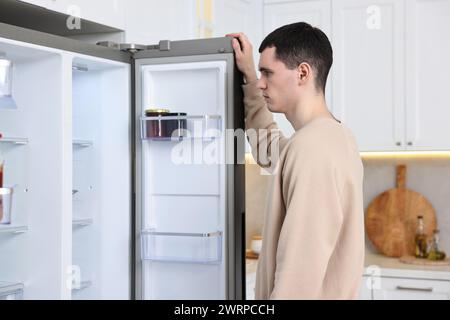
pixel 410 289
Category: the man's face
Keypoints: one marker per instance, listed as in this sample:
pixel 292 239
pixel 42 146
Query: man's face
pixel 278 83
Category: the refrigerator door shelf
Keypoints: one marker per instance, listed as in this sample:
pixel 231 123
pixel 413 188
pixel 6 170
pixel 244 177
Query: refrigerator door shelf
pixel 82 143
pixel 81 286
pixel 15 141
pixel 158 128
pixel 198 248
pixel 11 291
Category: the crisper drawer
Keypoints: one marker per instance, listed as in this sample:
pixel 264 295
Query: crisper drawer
pixel 410 289
pixel 203 248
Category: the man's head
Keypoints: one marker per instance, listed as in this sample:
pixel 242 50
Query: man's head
pixel 294 58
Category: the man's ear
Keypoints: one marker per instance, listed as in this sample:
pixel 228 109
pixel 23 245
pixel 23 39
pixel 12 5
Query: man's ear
pixel 304 72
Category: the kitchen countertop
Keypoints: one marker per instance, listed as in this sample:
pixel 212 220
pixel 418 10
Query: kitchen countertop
pixel 379 265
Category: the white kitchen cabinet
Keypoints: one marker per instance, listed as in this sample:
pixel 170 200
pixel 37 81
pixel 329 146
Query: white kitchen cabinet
pixel 428 67
pixel 368 91
pixel 106 12
pixel 149 21
pixel 316 13
pixel 240 16
pixel 411 289
pixel 366 288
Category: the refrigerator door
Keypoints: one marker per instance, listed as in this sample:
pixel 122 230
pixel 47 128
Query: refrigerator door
pixel 189 172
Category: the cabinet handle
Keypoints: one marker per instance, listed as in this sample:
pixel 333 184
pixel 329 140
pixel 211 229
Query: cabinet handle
pixel 399 144
pixel 410 143
pixel 415 289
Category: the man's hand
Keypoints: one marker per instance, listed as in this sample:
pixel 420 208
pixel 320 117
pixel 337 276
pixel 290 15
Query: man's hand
pixel 244 56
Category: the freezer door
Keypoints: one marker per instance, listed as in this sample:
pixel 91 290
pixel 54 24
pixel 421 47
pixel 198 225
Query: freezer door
pixel 189 175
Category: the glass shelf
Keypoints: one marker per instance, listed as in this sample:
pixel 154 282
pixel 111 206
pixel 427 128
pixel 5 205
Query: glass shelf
pixel 83 285
pixel 11 291
pixel 82 143
pixel 15 141
pixel 81 222
pixel 13 229
pixel 177 128
pixel 200 248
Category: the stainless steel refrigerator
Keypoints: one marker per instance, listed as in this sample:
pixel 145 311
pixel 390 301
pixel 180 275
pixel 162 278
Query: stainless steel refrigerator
pixel 143 206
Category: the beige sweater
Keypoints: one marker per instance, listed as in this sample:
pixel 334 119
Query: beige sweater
pixel 313 237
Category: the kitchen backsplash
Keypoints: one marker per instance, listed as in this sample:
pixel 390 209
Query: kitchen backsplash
pixel 428 176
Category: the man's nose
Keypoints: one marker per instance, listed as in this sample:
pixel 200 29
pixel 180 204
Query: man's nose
pixel 261 84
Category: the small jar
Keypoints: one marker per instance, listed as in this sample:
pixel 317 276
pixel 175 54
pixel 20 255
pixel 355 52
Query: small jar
pixel 161 128
pixel 156 128
pixel 176 125
pixel 5 205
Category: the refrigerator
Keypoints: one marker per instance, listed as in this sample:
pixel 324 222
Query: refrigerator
pixel 106 203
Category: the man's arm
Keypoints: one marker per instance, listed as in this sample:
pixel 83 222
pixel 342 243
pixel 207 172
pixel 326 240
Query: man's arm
pixel 264 135
pixel 312 225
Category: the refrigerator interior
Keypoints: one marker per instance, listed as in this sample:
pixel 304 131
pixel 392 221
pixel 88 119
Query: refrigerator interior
pixel 182 182
pixel 101 207
pixel 30 246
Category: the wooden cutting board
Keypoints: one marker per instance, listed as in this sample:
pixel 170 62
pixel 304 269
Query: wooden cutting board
pixel 424 262
pixel 391 219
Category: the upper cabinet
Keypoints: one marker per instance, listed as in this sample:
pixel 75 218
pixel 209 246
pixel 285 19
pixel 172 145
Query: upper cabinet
pixel 428 70
pixel 368 90
pixel 149 21
pixel 391 70
pixel 238 16
pixel 315 12
pixel 107 12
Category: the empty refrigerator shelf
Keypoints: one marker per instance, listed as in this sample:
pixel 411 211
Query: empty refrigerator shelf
pixel 83 285
pixel 81 222
pixel 11 291
pixel 177 128
pixel 201 248
pixel 16 141
pixel 13 229
pixel 82 143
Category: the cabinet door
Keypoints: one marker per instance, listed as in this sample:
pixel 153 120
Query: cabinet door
pixel 149 21
pixel 316 13
pixel 428 47
pixel 368 91
pixel 412 289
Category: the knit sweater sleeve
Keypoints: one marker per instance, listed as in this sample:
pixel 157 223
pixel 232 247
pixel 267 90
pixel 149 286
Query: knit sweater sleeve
pixel 265 138
pixel 311 227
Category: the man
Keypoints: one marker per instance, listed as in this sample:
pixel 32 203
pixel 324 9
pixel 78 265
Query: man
pixel 313 237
